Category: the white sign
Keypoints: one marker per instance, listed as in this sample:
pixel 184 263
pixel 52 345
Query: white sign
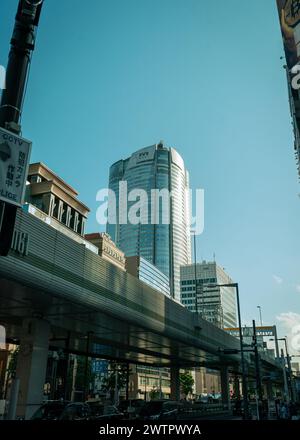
pixel 14 162
pixel 2 338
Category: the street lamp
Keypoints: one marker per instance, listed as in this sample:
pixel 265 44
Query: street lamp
pixel 244 380
pixel 289 365
pixel 195 271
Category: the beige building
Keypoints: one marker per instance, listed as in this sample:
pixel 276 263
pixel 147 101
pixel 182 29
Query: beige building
pixel 54 197
pixel 146 382
pixel 206 381
pixel 107 248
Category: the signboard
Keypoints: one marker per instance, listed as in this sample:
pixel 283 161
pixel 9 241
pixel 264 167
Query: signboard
pixel 248 331
pixel 99 366
pixel 289 16
pixel 14 162
pixel 2 338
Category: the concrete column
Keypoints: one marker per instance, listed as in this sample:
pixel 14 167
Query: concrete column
pixel 236 387
pixel 31 365
pixel 269 389
pixel 175 383
pixel 225 386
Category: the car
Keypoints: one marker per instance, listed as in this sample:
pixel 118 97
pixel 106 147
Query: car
pixel 50 410
pixel 131 408
pixel 161 410
pixel 237 407
pixel 101 411
pixel 76 411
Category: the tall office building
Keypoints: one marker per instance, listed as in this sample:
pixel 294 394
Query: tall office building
pixel 215 304
pixel 162 237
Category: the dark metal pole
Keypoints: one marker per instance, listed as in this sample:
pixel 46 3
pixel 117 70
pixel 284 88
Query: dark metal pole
pixel 67 366
pixel 244 379
pixel 86 384
pixel 22 46
pixel 276 342
pixel 258 375
pixel 290 370
pixel 127 381
pixel 195 268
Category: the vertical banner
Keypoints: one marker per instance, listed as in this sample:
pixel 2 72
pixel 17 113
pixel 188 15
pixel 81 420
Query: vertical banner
pixel 14 162
pixel 289 16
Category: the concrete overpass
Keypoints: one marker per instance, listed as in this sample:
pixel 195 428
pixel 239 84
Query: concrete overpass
pixel 54 285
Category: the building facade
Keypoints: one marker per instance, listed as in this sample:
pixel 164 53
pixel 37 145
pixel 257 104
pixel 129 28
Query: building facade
pixel 162 235
pixel 53 196
pixel 107 248
pixel 215 304
pixel 148 273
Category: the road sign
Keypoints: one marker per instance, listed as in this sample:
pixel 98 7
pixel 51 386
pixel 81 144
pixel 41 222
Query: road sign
pixel 99 366
pixel 229 351
pixel 14 162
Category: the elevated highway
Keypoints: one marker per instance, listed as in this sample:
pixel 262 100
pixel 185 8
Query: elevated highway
pixel 57 292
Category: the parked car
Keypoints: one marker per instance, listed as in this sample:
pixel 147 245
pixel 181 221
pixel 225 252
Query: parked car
pixel 51 410
pixel 237 407
pixel 100 411
pixel 131 408
pixel 161 410
pixel 76 411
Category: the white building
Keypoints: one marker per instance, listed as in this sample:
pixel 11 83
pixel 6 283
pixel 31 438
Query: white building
pixel 215 304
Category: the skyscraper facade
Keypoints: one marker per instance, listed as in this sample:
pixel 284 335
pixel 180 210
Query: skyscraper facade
pixel 162 236
pixel 215 304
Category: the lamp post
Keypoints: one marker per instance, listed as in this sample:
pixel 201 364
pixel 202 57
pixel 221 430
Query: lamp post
pixel 258 373
pixel 289 368
pixel 86 365
pixel 244 379
pixel 195 271
pixel 260 315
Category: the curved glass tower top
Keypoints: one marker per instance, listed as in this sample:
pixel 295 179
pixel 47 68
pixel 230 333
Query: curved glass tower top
pixel 162 235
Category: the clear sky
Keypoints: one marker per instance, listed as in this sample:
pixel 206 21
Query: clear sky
pixel 111 76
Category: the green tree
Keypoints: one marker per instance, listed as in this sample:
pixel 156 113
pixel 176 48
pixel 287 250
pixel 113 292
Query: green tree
pixel 186 383
pixel 83 378
pixel 154 393
pixel 12 364
pixel 109 382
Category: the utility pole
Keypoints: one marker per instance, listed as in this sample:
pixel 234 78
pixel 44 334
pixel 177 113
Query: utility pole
pixel 288 358
pixel 116 393
pixel 260 315
pixel 258 374
pixel 22 46
pixel 286 388
pixel 86 364
pixel 195 270
pixel 160 383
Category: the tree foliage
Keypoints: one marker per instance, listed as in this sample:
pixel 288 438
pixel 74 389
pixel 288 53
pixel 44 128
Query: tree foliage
pixel 186 383
pixel 109 382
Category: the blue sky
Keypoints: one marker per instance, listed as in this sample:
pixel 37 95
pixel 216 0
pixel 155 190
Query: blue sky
pixel 111 76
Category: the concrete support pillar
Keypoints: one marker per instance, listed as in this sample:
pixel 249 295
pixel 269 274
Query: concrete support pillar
pixel 175 383
pixel 31 365
pixel 236 387
pixel 225 386
pixel 269 389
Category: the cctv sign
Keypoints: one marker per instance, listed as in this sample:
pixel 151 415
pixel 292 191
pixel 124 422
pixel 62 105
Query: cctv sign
pixel 14 162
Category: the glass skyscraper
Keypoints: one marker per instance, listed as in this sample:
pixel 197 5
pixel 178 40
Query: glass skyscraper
pixel 162 236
